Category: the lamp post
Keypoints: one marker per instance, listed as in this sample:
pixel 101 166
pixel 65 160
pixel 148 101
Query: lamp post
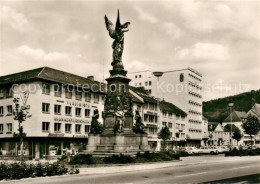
pixel 231 119
pixel 158 75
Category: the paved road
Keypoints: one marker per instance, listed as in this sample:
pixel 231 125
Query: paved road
pixel 190 170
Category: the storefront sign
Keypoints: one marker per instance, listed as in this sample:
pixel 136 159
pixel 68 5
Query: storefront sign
pixel 70 120
pixel 77 104
pixel 55 135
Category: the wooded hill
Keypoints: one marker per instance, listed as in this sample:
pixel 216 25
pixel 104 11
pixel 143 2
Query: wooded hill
pixel 217 110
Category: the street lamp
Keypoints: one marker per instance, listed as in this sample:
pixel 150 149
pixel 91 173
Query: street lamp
pixel 158 75
pixel 231 118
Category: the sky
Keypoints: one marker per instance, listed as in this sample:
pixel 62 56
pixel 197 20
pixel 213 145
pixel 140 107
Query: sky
pixel 220 39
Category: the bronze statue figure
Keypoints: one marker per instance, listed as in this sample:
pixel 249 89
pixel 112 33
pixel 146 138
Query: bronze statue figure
pixel 117 33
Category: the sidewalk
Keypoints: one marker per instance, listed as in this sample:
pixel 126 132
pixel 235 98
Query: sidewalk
pixel 157 165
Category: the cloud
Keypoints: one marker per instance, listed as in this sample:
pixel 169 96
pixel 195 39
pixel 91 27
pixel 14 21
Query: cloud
pixel 205 51
pixel 76 37
pixel 41 54
pixel 172 30
pixel 14 19
pixel 145 16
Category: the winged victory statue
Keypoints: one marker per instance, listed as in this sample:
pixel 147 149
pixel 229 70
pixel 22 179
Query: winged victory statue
pixel 117 33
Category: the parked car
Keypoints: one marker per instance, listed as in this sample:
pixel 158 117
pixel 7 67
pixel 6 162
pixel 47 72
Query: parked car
pixel 193 150
pixel 223 149
pixel 209 150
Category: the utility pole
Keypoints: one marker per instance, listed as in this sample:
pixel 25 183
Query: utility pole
pixel 20 115
pixel 231 119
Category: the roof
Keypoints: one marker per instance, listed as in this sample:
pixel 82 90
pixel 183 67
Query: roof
pixel 53 75
pixel 169 107
pixel 144 94
pixel 212 126
pixel 237 116
pixel 256 109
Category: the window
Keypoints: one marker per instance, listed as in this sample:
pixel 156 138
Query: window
pixel 46 88
pixel 182 118
pixel 87 112
pixel 146 83
pixel 57 127
pixel 1 110
pixel 9 128
pixel 140 84
pixel 103 100
pixel 96 98
pixel 145 117
pixel 45 107
pixel 149 91
pixel 78 128
pixel 57 90
pixel 164 124
pixel 140 76
pixel 57 109
pixel 150 83
pixel 1 93
pixel 45 126
pixel 164 114
pixel 78 95
pixel 9 92
pixel 9 109
pixel 87 128
pixel 88 97
pixel 78 111
pixel 68 93
pixel 170 115
pixel 68 128
pixel 68 110
pixel 170 125
pixel 177 117
pixel 177 126
pixel 1 128
pixel 136 76
pixel 181 77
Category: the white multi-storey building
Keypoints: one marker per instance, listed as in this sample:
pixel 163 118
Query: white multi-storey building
pixel 61 111
pixel 183 88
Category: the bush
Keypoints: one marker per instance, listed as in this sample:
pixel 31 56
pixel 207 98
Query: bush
pixel 22 170
pixel 155 157
pixel 236 152
pixel 121 159
pixel 82 159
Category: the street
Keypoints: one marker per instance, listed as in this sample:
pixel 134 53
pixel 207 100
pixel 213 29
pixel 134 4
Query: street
pixel 191 170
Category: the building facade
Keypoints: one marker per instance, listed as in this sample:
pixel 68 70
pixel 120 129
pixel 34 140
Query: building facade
pixel 61 112
pixel 218 136
pixel 182 88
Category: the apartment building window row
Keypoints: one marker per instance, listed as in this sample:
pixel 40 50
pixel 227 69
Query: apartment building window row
pixel 1 110
pixel 194 103
pixel 164 123
pixel 195 121
pixel 195 85
pixel 195 94
pixel 6 92
pixel 194 77
pixel 194 112
pixel 150 106
pixel 46 88
pixel 138 76
pixel 9 111
pixel 9 128
pixel 58 127
pixel 150 118
pixel 194 130
pixel 148 83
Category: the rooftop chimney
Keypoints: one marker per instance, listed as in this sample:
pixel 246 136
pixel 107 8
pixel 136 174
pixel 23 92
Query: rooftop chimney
pixel 91 77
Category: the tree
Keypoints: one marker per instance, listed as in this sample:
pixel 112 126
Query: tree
pixel 251 126
pixel 164 134
pixel 237 135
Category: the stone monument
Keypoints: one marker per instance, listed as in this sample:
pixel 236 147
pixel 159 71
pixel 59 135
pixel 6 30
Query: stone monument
pixel 118 135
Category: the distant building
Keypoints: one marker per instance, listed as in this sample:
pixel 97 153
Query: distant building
pixel 255 111
pixel 205 131
pixel 182 88
pixel 237 118
pixel 217 135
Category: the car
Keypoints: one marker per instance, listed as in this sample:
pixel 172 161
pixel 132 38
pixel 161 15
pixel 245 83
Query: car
pixel 193 150
pixel 223 149
pixel 209 150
